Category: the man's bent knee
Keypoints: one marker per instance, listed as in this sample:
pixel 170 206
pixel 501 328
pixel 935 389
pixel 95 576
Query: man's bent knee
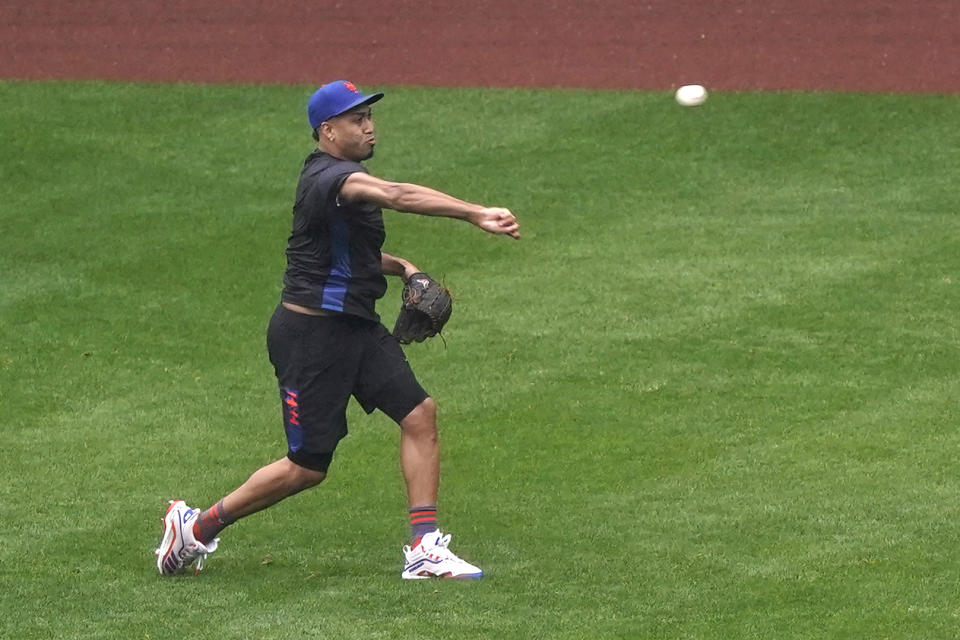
pixel 422 419
pixel 423 414
pixel 300 477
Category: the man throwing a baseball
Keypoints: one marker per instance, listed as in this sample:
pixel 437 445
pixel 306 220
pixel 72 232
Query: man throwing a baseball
pixel 326 341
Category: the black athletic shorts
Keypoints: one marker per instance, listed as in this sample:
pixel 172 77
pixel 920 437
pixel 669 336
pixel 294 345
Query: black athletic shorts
pixel 320 361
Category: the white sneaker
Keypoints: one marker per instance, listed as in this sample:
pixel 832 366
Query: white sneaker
pixel 431 558
pixel 179 548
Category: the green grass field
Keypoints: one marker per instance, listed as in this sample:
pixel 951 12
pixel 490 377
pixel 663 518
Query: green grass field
pixel 708 394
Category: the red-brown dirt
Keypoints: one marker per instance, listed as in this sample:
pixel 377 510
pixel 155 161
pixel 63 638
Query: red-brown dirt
pixel 854 45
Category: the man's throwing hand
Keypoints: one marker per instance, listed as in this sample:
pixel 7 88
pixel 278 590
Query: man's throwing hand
pixel 497 220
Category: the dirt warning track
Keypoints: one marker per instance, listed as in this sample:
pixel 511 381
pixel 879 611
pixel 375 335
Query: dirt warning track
pixel 857 45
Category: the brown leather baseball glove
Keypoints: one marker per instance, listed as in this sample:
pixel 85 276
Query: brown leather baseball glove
pixel 426 308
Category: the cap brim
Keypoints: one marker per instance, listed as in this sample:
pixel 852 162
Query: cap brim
pixel 360 101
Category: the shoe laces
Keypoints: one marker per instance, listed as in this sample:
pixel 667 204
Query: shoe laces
pixel 200 558
pixel 441 548
pixel 197 550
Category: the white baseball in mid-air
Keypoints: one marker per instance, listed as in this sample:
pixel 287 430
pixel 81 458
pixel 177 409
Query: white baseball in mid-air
pixel 691 95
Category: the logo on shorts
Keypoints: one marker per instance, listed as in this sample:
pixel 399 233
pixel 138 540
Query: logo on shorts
pixel 291 406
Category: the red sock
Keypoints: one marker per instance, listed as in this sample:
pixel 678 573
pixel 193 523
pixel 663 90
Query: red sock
pixel 423 520
pixel 211 522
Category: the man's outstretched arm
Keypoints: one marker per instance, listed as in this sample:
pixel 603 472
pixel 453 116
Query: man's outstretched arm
pixel 414 198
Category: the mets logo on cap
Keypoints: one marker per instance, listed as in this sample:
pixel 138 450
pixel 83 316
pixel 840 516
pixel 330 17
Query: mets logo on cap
pixel 335 98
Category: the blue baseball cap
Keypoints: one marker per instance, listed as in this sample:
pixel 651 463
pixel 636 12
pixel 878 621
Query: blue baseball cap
pixel 334 99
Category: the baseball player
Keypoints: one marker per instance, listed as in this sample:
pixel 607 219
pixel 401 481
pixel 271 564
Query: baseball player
pixel 326 341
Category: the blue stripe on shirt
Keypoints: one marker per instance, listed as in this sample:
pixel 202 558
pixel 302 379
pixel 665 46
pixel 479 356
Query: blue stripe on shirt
pixel 335 288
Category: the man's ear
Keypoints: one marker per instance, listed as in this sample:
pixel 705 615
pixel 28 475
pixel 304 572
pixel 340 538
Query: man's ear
pixel 326 130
